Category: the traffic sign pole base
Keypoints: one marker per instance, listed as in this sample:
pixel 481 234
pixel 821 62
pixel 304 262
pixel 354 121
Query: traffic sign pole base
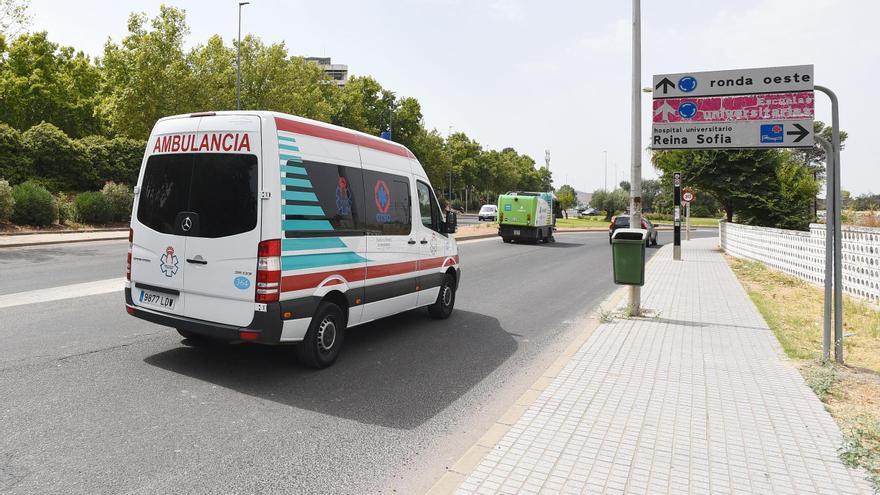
pixel 676 253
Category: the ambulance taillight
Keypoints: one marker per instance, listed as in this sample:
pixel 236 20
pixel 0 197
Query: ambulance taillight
pixel 268 271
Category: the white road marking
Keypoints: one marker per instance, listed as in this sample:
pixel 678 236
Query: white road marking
pixel 63 292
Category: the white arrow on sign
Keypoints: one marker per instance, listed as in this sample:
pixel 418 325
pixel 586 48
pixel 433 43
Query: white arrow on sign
pixel 664 110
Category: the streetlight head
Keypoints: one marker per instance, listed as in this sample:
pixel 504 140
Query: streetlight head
pixel 243 3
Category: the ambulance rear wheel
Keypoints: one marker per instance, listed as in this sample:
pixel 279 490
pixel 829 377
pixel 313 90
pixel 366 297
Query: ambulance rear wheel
pixel 320 347
pixel 442 308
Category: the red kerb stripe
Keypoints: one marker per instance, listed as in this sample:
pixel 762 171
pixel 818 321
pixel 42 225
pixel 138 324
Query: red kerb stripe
pixel 342 136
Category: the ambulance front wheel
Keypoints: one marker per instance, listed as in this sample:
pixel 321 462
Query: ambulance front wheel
pixel 442 308
pixel 320 347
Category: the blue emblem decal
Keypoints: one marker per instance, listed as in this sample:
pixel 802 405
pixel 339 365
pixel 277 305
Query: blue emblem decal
pixel 772 133
pixel 241 283
pixel 383 201
pixel 343 197
pixel 508 207
pixel 168 262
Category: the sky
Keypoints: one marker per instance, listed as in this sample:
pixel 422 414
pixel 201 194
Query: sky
pixel 543 75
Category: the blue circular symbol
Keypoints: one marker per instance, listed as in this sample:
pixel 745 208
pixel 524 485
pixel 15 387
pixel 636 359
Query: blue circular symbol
pixel 687 110
pixel 687 84
pixel 242 282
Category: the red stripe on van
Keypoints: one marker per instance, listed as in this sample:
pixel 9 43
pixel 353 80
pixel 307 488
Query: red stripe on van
pixel 342 136
pixel 312 280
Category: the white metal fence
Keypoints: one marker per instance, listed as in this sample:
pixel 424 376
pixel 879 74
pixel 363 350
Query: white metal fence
pixel 802 254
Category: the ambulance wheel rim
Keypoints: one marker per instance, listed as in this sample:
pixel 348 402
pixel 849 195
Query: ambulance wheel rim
pixel 326 335
pixel 447 295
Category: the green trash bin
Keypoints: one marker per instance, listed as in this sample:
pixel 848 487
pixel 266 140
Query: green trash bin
pixel 628 256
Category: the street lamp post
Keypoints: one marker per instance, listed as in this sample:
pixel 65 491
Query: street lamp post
pixel 238 60
pixel 448 134
pixel 636 172
pixel 605 184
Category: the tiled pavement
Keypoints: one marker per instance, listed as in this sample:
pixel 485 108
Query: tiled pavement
pixel 699 399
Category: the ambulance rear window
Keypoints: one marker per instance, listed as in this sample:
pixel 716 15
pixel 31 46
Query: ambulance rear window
pixel 221 188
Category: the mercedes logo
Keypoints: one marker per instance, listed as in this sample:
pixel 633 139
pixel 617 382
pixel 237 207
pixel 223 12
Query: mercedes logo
pixel 186 224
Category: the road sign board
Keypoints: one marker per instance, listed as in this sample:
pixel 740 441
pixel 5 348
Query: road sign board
pixel 734 82
pixel 687 196
pixel 773 106
pixel 754 134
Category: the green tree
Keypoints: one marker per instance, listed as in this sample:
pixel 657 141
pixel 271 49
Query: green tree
pixel 797 189
pixel 58 161
pixel 14 18
pixel 40 81
pixel 814 158
pixel 610 202
pixel 741 180
pixel 567 197
pixel 651 189
pixel 147 75
pixel 15 163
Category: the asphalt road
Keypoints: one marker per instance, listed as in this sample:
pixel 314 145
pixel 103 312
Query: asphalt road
pixel 95 401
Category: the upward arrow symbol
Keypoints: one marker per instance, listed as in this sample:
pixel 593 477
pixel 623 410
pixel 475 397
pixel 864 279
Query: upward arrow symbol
pixel 666 83
pixel 664 111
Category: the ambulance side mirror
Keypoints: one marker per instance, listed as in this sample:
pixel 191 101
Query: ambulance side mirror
pixel 451 224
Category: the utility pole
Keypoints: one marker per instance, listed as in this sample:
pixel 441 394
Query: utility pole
pixel 635 188
pixel 547 158
pixel 238 60
pixel 605 184
pixel 448 134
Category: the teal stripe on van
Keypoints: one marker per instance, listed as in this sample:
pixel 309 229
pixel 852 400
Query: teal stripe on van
pixel 285 138
pixel 306 225
pixel 288 147
pixel 302 210
pixel 312 243
pixel 294 159
pixel 304 261
pixel 299 196
pixel 289 169
pixel 288 181
pixel 284 156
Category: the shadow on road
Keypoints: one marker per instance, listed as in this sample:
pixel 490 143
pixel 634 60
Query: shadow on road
pixel 397 372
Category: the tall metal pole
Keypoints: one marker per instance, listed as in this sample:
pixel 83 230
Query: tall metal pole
pixel 605 184
pixel 829 246
pixel 238 60
pixel 635 295
pixel 838 241
pixel 448 134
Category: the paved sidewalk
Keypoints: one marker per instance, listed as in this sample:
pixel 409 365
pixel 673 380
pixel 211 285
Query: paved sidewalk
pixel 700 399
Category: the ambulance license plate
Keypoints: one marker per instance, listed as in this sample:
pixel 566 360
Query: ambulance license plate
pixel 162 301
pixel 515 232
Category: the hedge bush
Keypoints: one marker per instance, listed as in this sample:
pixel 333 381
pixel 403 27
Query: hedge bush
pixel 7 202
pixel 92 207
pixel 120 198
pixel 65 208
pixel 34 205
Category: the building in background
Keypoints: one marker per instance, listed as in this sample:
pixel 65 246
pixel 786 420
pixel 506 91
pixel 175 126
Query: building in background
pixel 337 72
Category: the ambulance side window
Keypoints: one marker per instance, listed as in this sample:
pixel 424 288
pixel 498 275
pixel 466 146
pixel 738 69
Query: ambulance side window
pixel 428 209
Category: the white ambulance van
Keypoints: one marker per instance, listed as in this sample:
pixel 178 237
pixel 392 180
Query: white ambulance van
pixel 270 228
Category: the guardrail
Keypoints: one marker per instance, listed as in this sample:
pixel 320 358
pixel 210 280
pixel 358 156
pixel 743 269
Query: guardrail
pixel 802 254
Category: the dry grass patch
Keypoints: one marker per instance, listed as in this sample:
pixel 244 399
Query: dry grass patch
pixel 793 310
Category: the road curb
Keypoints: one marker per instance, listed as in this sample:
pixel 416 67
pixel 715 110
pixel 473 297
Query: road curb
pixel 455 475
pixel 63 241
pixel 69 231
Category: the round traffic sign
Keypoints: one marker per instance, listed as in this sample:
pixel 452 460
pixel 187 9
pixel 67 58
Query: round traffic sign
pixel 687 109
pixel 688 195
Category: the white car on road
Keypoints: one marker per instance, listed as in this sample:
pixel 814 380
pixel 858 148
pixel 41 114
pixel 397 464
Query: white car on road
pixel 488 212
